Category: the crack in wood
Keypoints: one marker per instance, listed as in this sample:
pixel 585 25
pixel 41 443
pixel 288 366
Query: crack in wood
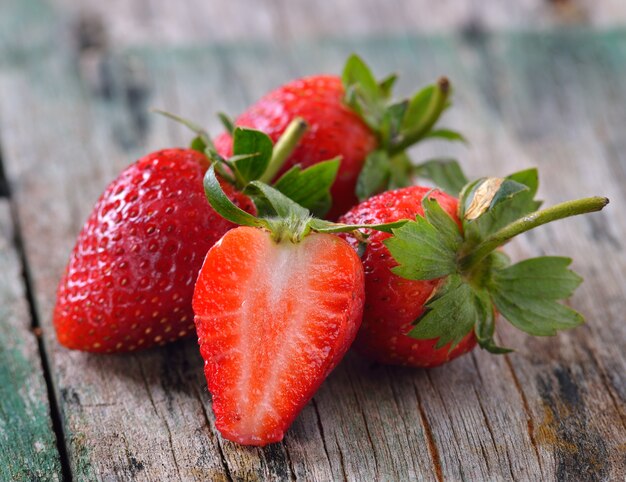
pixel 430 439
pixel 530 425
pixel 342 463
pixel 156 411
pixel 56 415
pixel 367 429
pixel 321 429
pixel 217 439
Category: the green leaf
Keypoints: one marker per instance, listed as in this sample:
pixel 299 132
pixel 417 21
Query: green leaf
pixel 446 134
pixel 449 315
pixel 442 222
pixel 418 107
pixel 385 86
pixel 391 122
pixel 444 173
pixel 491 204
pixel 310 187
pixel 282 205
pixel 203 137
pixel 543 277
pixel 322 226
pixel 374 176
pixel 426 248
pixel 224 206
pixel 357 73
pixel 197 144
pixel 401 171
pixel 526 294
pixel 486 324
pixel 527 177
pixel 227 122
pixel 255 149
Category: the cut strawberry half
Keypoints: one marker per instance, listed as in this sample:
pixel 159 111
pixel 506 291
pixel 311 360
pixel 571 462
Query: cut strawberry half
pixel 273 319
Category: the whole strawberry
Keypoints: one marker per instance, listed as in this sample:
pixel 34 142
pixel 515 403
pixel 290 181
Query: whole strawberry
pixel 394 303
pixel 277 304
pixel 434 287
pixel 352 118
pixel 130 278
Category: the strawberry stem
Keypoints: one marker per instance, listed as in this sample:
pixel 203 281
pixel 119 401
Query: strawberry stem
pixel 437 104
pixel 531 221
pixel 284 147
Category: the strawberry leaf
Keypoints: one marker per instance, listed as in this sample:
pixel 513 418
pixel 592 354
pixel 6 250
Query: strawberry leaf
pixel 449 315
pixel 323 226
pixel 385 86
pixel 492 203
pixel 427 247
pixel 526 294
pixel 197 144
pixel 310 187
pixel 356 74
pixel 401 171
pixel 486 324
pixel 447 134
pixel 418 107
pixel 255 149
pixel 374 176
pixel 444 173
pixel 224 206
pixel 227 122
pixel 281 204
pixel 391 122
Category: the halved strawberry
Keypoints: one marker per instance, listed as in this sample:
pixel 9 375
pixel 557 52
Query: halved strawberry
pixel 273 319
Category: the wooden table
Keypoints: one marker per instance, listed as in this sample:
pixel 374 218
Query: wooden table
pixel 74 98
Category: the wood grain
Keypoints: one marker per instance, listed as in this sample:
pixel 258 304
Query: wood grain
pixel 73 112
pixel 166 23
pixel 27 443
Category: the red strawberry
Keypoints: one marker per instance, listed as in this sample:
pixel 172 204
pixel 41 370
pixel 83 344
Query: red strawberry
pixel 434 287
pixel 273 319
pixel 334 131
pixel 349 117
pixel 394 303
pixel 129 282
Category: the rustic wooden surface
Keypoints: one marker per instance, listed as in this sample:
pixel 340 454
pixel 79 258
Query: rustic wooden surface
pixel 27 443
pixel 74 96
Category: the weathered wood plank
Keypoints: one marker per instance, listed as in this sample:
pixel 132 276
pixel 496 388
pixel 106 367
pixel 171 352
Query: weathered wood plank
pixel 148 416
pixel 27 443
pixel 193 21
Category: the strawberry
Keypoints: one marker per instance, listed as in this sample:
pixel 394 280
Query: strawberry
pixel 129 282
pixel 277 304
pixel 273 319
pixel 130 278
pixel 433 288
pixel 394 303
pixel 351 117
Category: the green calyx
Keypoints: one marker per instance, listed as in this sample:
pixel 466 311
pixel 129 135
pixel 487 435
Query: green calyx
pixel 477 278
pixel 285 219
pixel 256 158
pixel 399 125
pixel 288 209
